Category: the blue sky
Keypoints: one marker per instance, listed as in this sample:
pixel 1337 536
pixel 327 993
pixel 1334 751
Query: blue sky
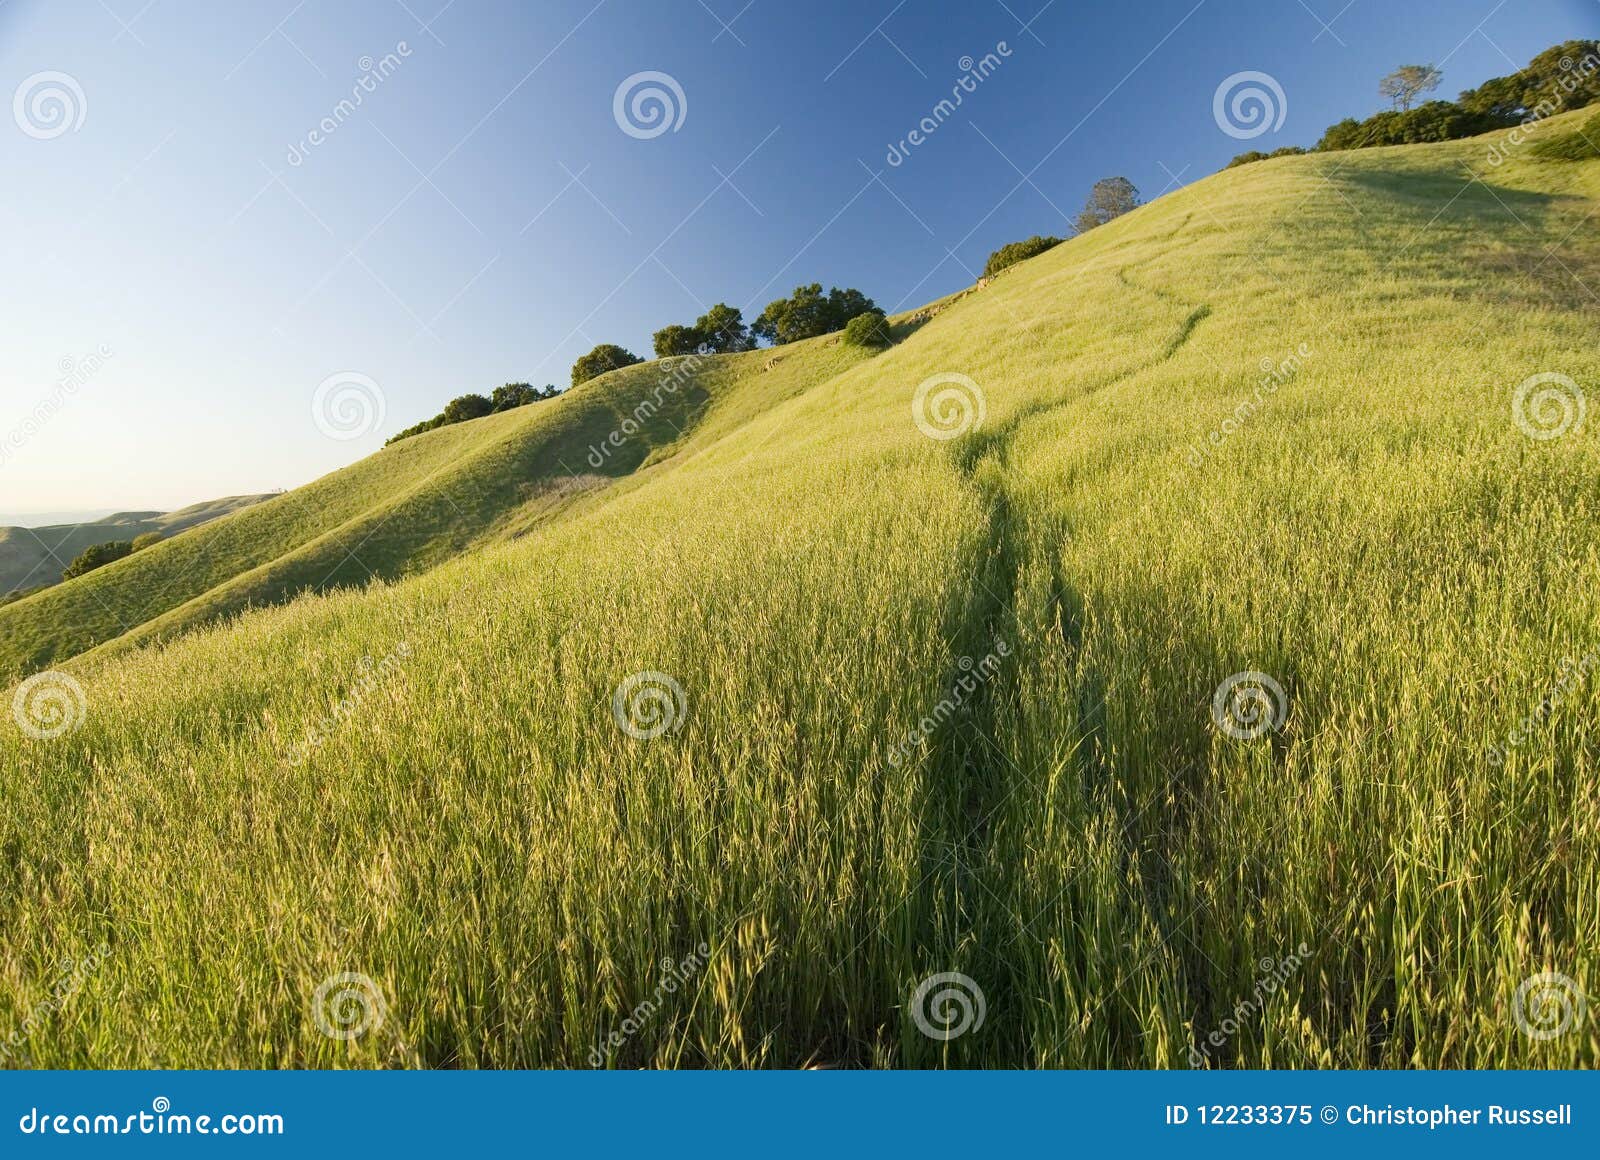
pixel 482 217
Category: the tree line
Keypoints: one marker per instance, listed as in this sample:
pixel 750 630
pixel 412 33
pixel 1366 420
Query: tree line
pixel 1563 77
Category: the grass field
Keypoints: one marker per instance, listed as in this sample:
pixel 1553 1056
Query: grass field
pixel 723 758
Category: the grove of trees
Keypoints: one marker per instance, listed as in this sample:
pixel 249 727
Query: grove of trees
pixel 808 312
pixel 1563 77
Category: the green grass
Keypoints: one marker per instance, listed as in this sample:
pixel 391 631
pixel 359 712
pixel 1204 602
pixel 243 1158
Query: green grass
pixel 467 825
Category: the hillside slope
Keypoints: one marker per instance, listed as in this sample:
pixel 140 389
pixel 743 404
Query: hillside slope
pixel 826 706
pixel 35 557
pixel 407 508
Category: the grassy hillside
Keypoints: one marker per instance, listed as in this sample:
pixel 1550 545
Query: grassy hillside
pixel 36 557
pixel 402 510
pixel 923 705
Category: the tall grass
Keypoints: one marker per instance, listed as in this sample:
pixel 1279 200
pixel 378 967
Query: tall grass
pixel 519 878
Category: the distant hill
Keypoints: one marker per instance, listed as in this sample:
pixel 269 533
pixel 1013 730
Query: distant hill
pixel 35 557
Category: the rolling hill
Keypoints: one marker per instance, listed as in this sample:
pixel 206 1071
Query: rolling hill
pixel 1176 652
pixel 36 556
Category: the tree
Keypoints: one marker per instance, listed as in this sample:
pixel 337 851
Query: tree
pixel 808 313
pixel 145 540
pixel 672 340
pixel 513 395
pixel 97 557
pixel 1014 252
pixel 722 329
pixel 1110 198
pixel 605 357
pixel 464 407
pixel 1408 82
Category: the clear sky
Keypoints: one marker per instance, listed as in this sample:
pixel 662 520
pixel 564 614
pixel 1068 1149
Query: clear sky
pixel 178 286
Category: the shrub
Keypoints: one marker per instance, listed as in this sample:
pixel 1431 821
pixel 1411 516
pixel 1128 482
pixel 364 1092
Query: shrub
pixel 675 340
pixel 605 357
pixel 1014 252
pixel 141 542
pixel 97 557
pixel 869 329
